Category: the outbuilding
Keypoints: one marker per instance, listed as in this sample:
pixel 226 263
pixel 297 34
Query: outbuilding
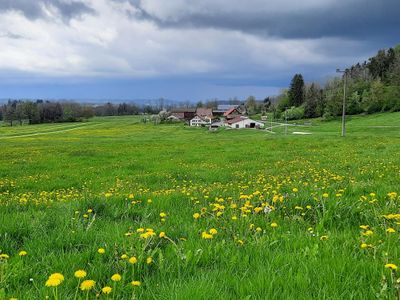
pixel 243 122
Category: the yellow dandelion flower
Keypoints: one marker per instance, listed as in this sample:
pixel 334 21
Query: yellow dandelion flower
pixel 149 260
pixel 136 283
pixel 116 277
pixel 391 266
pixel 365 227
pixel 22 253
pixel 363 246
pixel 295 190
pixel 140 230
pixel 80 274
pixel 4 256
pixel 325 195
pixel 196 216
pixel 124 256
pixel 163 214
pixel 101 251
pixel 206 236
pixel 213 231
pixel 162 234
pixel 58 276
pixel 368 233
pixel 106 290
pixel 274 225
pixel 324 238
pixel 52 282
pixel 390 230
pixel 133 260
pixel 87 285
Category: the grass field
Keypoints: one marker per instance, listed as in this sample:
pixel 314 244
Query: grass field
pixel 183 213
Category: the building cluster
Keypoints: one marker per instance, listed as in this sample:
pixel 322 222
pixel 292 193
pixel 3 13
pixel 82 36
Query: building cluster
pixel 231 116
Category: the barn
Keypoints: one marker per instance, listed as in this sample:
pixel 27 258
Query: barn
pixel 243 122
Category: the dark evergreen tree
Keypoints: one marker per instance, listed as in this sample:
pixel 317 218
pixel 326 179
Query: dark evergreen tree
pixel 296 91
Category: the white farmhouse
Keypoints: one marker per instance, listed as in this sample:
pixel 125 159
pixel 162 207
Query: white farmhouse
pixel 243 122
pixel 200 121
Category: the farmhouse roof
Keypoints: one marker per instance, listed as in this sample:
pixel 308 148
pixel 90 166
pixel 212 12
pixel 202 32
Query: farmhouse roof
pixel 231 110
pixel 204 112
pixel 236 120
pixel 183 110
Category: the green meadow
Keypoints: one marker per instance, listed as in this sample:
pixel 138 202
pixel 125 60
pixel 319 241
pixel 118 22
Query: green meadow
pixel 184 213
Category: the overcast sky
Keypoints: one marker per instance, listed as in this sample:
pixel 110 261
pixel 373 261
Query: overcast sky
pixel 183 49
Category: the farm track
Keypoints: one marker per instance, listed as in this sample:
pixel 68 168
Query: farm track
pixel 49 132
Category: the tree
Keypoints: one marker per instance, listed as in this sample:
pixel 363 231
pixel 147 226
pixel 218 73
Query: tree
pixel 251 105
pixel 296 91
pixel 20 112
pixel 10 112
pixel 311 101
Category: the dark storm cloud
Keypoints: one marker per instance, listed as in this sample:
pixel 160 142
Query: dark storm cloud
pixel 33 9
pixel 349 19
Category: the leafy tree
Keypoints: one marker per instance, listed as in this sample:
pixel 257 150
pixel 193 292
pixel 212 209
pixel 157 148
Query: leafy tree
pixel 311 101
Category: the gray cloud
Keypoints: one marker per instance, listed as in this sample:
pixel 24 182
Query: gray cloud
pixel 349 19
pixel 34 9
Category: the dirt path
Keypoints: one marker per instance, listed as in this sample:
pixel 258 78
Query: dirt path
pixel 48 132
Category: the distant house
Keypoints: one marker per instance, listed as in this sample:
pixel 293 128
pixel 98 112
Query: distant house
pixel 183 114
pixel 200 121
pixel 232 113
pixel 204 112
pixel 222 108
pixel 240 122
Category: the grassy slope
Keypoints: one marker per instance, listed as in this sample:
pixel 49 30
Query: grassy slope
pixel 175 166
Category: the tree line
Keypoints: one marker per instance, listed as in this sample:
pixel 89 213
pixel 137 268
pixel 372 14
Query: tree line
pixel 41 111
pixel 372 86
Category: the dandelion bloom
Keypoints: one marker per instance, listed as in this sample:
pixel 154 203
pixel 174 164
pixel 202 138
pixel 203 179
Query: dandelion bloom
pixel 162 234
pixel 213 231
pixel 149 260
pixel 363 246
pixel 325 195
pixel 58 276
pixel 4 256
pixel 365 227
pixel 140 230
pixel 124 256
pixel 87 285
pixel 196 216
pixel 106 290
pixel 22 253
pixel 136 283
pixel 324 238
pixel 101 250
pixel 390 230
pixel 295 190
pixel 51 282
pixel 368 233
pixel 391 266
pixel 163 214
pixel 80 274
pixel 206 236
pixel 274 225
pixel 133 260
pixel 116 277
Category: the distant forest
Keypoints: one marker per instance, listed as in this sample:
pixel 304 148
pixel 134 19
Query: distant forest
pixel 40 111
pixel 372 86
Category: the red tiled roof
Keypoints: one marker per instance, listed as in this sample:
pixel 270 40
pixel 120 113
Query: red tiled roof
pixel 228 112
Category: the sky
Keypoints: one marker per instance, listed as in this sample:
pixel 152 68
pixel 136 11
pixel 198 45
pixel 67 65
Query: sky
pixel 183 50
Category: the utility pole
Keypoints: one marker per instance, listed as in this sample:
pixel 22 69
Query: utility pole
pixel 344 101
pixel 285 121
